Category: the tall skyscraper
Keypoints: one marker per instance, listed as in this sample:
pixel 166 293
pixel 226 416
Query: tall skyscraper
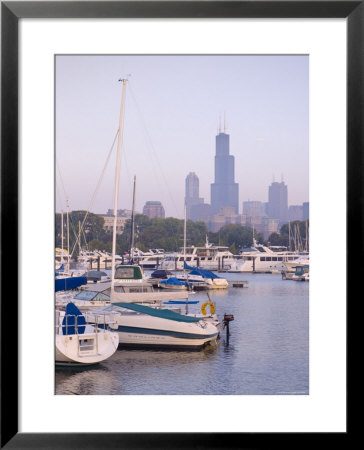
pixel 224 192
pixel 278 201
pixel 192 194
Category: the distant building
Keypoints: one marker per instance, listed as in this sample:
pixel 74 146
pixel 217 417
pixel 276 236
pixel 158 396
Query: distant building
pixel 109 223
pixel 305 211
pixel 254 209
pixel 192 194
pixel 295 212
pixel 154 210
pixel 263 225
pixel 120 213
pixel 225 216
pixel 200 212
pixel 224 191
pixel 278 201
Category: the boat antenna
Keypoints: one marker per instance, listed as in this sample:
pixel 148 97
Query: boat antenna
pixel 117 173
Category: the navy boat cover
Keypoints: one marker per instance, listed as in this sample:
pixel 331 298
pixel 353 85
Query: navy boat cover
pixel 174 282
pixel 68 322
pixel 63 284
pixel 202 272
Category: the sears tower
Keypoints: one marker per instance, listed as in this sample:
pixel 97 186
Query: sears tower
pixel 224 192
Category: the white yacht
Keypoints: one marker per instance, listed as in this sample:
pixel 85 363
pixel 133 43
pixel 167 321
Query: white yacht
pixel 261 258
pixel 209 257
pixel 148 260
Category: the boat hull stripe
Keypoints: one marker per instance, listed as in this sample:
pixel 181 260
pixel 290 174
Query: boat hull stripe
pixel 176 334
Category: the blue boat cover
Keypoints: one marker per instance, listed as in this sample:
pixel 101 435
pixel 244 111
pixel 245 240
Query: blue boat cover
pixel 162 313
pixel 174 281
pixel 68 323
pixel 203 273
pixel 63 284
pixel 180 302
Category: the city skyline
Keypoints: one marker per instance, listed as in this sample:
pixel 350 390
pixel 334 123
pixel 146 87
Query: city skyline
pixel 172 114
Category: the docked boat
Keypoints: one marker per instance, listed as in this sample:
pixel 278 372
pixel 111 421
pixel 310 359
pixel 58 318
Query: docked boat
pixel 138 324
pixel 209 257
pixel 78 343
pixel 148 260
pixel 145 327
pixel 261 258
pixel 206 278
pixel 301 273
pixel 173 283
pixel 302 260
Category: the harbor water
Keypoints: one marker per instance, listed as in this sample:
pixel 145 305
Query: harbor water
pixel 267 352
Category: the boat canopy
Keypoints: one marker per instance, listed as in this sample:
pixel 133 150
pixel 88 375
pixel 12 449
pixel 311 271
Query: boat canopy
pixel 173 281
pixel 161 313
pixel 64 284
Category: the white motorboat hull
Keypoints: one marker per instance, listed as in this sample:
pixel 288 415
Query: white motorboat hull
pixel 137 330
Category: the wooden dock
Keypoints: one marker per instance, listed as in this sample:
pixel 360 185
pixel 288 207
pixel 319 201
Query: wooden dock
pixel 238 284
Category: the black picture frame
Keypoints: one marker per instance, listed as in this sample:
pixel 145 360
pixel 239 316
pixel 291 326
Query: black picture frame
pixel 11 13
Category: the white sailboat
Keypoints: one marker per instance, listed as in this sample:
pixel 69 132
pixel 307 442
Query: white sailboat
pixel 140 325
pixel 78 343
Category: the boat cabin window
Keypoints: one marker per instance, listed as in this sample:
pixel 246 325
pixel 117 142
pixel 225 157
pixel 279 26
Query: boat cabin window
pixel 100 297
pixel 125 272
pixel 85 295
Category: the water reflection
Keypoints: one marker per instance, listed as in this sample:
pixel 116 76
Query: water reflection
pixel 267 351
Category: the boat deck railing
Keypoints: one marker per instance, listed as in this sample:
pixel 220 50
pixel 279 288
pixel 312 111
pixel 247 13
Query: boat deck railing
pixel 70 324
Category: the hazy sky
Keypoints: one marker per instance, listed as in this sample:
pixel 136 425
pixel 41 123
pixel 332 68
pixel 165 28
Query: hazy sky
pixel 173 105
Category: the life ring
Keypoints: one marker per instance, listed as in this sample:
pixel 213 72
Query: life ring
pixel 212 308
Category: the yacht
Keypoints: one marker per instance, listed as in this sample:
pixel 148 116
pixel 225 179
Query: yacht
pixel 261 258
pixel 209 257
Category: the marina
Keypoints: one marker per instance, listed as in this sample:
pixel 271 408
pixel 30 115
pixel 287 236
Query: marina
pixel 267 352
pixel 182 329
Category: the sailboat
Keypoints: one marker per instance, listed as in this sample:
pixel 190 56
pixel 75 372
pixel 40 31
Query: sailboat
pixel 139 325
pixel 78 343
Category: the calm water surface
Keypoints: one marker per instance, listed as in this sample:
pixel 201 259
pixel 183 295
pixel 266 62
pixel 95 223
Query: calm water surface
pixel 267 352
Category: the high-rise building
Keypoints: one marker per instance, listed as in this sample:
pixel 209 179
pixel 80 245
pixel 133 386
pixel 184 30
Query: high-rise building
pixel 192 194
pixel 253 209
pixel 154 210
pixel 224 191
pixel 295 212
pixel 278 201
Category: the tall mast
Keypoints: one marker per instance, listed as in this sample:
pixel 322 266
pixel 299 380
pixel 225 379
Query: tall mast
pixel 79 237
pixel 117 173
pixel 132 224
pixel 184 232
pixel 62 233
pixel 68 238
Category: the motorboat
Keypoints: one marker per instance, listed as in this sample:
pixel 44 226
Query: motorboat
pixel 301 260
pixel 78 343
pixel 148 260
pixel 210 280
pixel 174 284
pixel 142 326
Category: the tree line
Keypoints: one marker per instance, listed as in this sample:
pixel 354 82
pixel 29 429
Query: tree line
pixel 167 234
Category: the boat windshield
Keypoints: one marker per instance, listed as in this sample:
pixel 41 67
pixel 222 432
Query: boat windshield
pixel 91 295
